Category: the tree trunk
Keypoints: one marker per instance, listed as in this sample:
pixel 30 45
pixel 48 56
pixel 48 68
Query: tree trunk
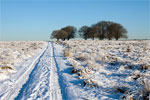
pixel 85 38
pixel 109 38
pixel 93 38
pixel 63 39
pixel 100 38
pixel 68 38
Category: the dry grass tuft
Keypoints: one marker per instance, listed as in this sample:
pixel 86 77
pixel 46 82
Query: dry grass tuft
pixel 145 93
pixel 6 67
pixel 1 72
pixel 81 58
pixel 121 89
pixel 91 83
pixel 144 67
pixel 4 62
pixel 66 53
pixel 131 98
pixel 128 49
pixel 74 70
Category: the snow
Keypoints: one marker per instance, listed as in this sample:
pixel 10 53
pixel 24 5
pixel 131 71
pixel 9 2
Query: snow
pixel 91 70
pixel 37 78
pixel 42 83
pixel 113 65
pixel 13 53
pixel 14 78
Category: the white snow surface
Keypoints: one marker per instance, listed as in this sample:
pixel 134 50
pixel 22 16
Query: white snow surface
pixel 38 79
pixel 103 67
pixel 11 80
pixel 12 54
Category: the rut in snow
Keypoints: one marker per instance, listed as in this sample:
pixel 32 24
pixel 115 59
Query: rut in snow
pixel 43 82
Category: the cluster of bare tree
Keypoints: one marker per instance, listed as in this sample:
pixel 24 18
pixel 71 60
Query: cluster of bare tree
pixel 101 30
pixel 67 32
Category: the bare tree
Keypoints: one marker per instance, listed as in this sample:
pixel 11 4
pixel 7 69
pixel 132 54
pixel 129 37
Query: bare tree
pixel 59 34
pixel 70 31
pixel 101 29
pixel 109 32
pixel 92 32
pixel 55 34
pixel 84 32
pixel 117 30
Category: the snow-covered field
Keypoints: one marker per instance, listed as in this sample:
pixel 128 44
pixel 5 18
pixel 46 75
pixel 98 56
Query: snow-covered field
pixel 110 70
pixel 16 59
pixel 13 53
pixel 75 70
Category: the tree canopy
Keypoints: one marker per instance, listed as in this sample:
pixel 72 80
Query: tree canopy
pixel 70 31
pixel 101 30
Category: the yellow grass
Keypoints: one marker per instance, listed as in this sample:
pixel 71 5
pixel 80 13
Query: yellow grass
pixel 6 67
pixel 66 53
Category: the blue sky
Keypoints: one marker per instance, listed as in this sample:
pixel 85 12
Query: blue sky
pixel 36 19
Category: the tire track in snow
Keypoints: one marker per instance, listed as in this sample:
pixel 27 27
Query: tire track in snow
pixel 59 73
pixel 43 81
pixel 16 86
pixel 54 79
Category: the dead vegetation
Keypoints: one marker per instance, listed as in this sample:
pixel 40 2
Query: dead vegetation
pixel 13 53
pixel 145 93
pixel 144 67
pixel 66 53
pixel 128 49
pixel 111 61
pixel 6 68
pixel 91 83
pixel 81 58
pixel 136 76
pixel 74 71
pixel 121 89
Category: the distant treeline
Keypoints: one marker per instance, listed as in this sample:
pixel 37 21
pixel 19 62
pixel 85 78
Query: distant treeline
pixel 101 30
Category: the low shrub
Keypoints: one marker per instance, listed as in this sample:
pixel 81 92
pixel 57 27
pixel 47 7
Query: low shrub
pixel 145 93
pixel 91 83
pixel 144 67
pixel 66 53
pixel 6 67
pixel 81 58
pixel 121 89
pixel 74 70
pixel 128 49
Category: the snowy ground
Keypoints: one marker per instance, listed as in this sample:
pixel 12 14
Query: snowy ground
pixel 90 70
pixel 16 59
pixel 13 53
pixel 110 70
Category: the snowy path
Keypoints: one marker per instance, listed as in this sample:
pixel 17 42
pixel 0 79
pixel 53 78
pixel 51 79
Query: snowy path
pixel 43 83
